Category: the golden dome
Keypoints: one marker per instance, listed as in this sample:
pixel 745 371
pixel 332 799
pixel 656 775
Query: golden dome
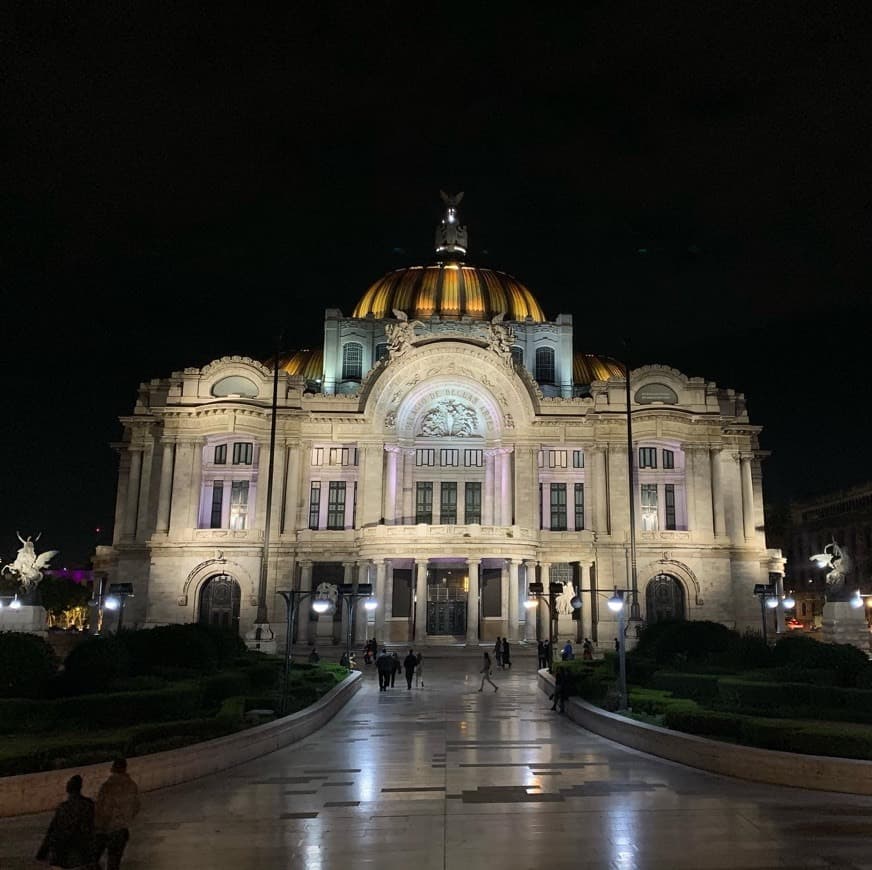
pixel 449 290
pixel 306 363
pixel 588 367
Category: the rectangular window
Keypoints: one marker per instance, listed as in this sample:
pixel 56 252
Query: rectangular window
pixel 220 454
pixel 647 457
pixel 557 459
pixel 579 507
pixel 317 456
pixel 448 503
pixel 473 458
pixel 243 452
pixel 668 459
pixel 540 458
pixel 472 503
pixel 314 504
pixel 239 504
pixel 423 456
pixel 650 521
pixel 541 506
pixel 558 507
pixel 401 600
pixel 669 499
pixel 491 592
pixel 578 459
pixel 424 502
pixel 217 503
pixel 342 456
pixel 336 504
pixel 449 457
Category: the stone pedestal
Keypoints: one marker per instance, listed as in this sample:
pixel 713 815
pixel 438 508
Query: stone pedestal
pixel 261 638
pixel 566 630
pixel 845 624
pixel 25 619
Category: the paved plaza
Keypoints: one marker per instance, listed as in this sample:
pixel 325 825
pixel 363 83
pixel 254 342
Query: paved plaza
pixel 445 777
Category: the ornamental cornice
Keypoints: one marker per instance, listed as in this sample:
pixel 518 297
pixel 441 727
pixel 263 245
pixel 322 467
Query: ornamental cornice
pixel 225 361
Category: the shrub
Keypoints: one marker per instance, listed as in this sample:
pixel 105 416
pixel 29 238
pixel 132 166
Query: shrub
pixel 588 680
pixel 699 687
pixel 94 664
pixel 217 687
pixel 27 663
pixel 264 674
pixel 747 650
pixel 658 703
pixel 640 670
pixel 671 641
pixel 845 660
pixel 708 723
pixel 189 646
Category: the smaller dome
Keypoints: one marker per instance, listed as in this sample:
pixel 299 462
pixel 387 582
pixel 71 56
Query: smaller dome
pixel 588 367
pixel 307 363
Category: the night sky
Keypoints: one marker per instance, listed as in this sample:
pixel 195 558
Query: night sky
pixel 180 183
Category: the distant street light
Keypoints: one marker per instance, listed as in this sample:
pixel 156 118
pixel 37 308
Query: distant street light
pixel 616 605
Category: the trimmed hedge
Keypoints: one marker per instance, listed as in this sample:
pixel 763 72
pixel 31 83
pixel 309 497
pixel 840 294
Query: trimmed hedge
pixel 21 715
pixel 819 701
pixel 588 680
pixel 94 664
pixel 846 661
pixel 27 663
pixel 699 687
pixel 681 640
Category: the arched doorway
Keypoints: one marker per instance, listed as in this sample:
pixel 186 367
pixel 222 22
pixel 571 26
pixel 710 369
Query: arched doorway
pixel 220 596
pixel 664 599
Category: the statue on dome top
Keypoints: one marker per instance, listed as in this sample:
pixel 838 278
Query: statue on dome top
pixel 451 238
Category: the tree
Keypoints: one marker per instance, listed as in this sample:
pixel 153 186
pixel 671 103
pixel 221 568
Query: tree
pixel 59 594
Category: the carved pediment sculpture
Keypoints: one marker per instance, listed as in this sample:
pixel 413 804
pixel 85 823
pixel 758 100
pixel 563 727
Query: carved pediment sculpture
pixel 449 419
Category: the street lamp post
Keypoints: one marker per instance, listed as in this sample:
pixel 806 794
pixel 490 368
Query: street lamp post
pixel 616 605
pixel 537 591
pixel 351 593
pixel 291 598
pixel 117 598
pixel 770 600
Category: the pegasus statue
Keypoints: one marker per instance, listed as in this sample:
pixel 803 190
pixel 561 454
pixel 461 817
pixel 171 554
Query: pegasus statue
pixel 28 567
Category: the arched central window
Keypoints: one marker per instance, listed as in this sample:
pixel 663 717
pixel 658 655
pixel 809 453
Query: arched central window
pixel 352 361
pixel 545 365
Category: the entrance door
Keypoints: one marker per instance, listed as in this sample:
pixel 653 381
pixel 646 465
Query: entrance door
pixel 446 601
pixel 664 599
pixel 219 602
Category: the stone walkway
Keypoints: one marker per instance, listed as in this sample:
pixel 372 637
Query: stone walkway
pixel 445 777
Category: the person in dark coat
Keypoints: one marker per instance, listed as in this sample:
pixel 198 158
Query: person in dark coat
pixel 69 841
pixel 560 689
pixel 384 665
pixel 540 652
pixel 396 667
pixel 549 655
pixel 507 656
pixel 498 652
pixel 410 662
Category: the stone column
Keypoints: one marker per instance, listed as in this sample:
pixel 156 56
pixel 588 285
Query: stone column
pixel 389 504
pixel 256 521
pixel 779 612
pixel 690 486
pixel 748 524
pixel 530 625
pixel 361 624
pixel 701 483
pixel 513 600
pixel 487 516
pixel 526 487
pixel 181 488
pixel 133 481
pixel 504 598
pixel 303 617
pixel 292 490
pixel 720 525
pixel 420 601
pixel 196 484
pixel 472 604
pixel 545 610
pixel 506 500
pixel 598 480
pixel 732 488
pixel 275 522
pixel 383 611
pixel 165 487
pixel 408 509
pixel 584 581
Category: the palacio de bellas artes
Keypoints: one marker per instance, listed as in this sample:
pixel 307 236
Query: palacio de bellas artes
pixel 450 443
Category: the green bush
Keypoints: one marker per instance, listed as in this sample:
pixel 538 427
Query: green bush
pixel 677 641
pixel 21 715
pixel 264 674
pixel 27 663
pixel 640 670
pixel 796 700
pixel 658 703
pixel 217 687
pixel 699 687
pixel 189 646
pixel 706 723
pixel 94 664
pixel 588 680
pixel 797 651
pixel 747 650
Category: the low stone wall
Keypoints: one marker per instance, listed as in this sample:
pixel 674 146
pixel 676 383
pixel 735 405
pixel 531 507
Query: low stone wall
pixel 36 792
pixel 850 775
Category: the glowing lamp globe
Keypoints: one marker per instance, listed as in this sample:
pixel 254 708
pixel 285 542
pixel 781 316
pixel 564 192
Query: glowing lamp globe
pixel 530 603
pixel 616 603
pixel 370 604
pixel 112 603
pixel 772 603
pixel 789 602
pixel 320 605
pixel 856 600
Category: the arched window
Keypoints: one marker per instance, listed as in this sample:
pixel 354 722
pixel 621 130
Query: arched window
pixel 219 602
pixel 545 365
pixel 518 355
pixel 352 361
pixel 381 351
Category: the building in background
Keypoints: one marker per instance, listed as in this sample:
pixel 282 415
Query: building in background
pixel 450 444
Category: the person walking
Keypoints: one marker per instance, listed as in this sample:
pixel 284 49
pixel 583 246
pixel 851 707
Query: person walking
pixel 540 653
pixel 117 806
pixel 567 653
pixel 419 669
pixel 587 650
pixel 507 656
pixel 69 840
pixel 486 673
pixel 410 662
pixel 560 689
pixel 498 652
pixel 549 654
pixel 396 667
pixel 384 664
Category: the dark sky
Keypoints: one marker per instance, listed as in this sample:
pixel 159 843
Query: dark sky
pixel 178 183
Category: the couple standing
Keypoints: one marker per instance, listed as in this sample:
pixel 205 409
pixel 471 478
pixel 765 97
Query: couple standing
pixel 502 653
